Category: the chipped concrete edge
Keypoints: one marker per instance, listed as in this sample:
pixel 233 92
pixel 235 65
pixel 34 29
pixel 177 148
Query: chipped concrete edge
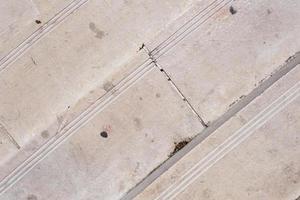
pixel 289 64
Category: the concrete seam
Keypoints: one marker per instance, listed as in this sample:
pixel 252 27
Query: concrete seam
pixel 173 84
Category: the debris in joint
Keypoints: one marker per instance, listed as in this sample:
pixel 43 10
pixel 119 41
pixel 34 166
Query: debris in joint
pixel 142 47
pixel 179 146
pixel 234 102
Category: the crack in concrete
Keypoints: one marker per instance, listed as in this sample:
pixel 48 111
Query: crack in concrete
pixel 172 83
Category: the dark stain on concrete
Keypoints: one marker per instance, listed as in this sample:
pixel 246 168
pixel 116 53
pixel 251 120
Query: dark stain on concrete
pixel 32 197
pixel 157 95
pixel 99 34
pixel 234 102
pixel 45 134
pixel 137 123
pixel 104 134
pixel 179 146
pixel 33 61
pixel 207 193
pixel 291 173
pixel 108 86
pixel 127 2
pixel 232 10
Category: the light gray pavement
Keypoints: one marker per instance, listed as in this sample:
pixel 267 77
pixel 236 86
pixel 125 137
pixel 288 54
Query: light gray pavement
pixel 73 65
pixel 141 136
pixel 84 70
pixel 229 55
pixel 254 155
pixel 21 20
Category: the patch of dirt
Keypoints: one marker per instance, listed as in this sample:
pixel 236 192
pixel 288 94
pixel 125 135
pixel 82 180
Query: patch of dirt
pixel 178 146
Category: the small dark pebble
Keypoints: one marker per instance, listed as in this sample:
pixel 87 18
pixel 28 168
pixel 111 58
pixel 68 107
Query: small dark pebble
pixel 232 10
pixel 104 134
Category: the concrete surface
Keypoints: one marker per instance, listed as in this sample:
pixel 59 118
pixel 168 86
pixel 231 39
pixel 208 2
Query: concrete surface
pixel 20 20
pixel 255 155
pixel 76 63
pixel 153 75
pixel 139 139
pixel 229 55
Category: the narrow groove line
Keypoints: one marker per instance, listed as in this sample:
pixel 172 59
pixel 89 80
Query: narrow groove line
pixel 74 125
pixel 187 31
pixel 183 97
pixel 175 41
pixel 182 26
pixel 181 94
pixel 14 54
pixel 10 137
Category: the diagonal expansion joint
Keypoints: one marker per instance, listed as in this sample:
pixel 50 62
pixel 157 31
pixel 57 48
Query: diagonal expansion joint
pixel 183 97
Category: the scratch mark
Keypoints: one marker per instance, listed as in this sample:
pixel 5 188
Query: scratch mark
pixel 10 137
pixel 33 60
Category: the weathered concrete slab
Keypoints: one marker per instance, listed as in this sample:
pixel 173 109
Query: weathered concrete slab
pixel 230 53
pixel 75 64
pixel 83 73
pixel 255 155
pixel 21 19
pixel 142 126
